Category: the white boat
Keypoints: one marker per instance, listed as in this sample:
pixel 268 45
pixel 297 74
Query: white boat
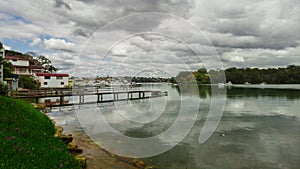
pixel 221 85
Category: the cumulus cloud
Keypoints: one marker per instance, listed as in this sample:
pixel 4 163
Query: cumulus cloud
pixel 244 33
pixel 59 44
pixel 35 41
pixel 6 47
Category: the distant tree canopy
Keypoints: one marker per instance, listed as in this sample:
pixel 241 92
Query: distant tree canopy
pixel 148 79
pixel 288 75
pixel 12 53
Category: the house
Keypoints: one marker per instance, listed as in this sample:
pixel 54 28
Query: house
pixel 48 80
pixel 24 66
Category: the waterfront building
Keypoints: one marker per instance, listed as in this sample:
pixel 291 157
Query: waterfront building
pixel 48 80
pixel 24 66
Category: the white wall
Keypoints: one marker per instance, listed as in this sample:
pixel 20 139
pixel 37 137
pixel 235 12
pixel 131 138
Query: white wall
pixel 19 62
pixel 53 81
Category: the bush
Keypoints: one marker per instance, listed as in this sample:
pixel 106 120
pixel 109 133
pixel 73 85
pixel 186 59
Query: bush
pixel 28 83
pixel 3 89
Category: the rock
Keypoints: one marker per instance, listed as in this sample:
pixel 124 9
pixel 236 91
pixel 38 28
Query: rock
pixel 82 160
pixel 223 135
pixel 52 121
pixel 65 138
pixel 72 145
pixel 59 130
pixel 139 163
pixel 151 167
pixel 74 148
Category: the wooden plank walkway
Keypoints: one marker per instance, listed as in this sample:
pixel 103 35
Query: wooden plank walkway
pixel 61 94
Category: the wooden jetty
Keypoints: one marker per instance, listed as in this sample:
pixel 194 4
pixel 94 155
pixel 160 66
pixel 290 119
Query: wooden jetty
pixel 82 93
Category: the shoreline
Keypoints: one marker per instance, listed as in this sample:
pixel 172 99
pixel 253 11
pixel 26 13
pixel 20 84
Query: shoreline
pixel 97 157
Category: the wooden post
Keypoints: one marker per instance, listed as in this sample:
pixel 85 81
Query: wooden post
pixel 61 100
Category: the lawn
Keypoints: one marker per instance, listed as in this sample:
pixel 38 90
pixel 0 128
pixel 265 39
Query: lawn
pixel 27 139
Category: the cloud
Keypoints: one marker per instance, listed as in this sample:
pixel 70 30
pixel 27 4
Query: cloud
pixel 6 47
pixel 244 33
pixel 272 24
pixel 35 41
pixel 62 4
pixel 59 44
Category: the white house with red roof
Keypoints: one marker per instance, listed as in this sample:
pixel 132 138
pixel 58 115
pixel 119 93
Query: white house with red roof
pixel 48 80
pixel 28 67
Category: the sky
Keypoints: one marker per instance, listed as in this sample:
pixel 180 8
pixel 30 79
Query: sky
pixel 153 37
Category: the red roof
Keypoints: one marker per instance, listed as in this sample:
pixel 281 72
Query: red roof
pixel 49 74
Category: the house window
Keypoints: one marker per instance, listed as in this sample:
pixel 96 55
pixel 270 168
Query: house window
pixel 45 83
pixel 47 77
pixel 62 83
pixel 59 77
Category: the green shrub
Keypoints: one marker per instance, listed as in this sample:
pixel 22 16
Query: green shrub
pixel 28 83
pixel 3 89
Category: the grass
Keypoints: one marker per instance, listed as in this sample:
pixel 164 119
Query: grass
pixel 27 139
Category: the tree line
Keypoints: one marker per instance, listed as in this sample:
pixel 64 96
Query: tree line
pixel 287 75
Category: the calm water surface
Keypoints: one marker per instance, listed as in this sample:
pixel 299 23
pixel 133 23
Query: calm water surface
pixel 259 128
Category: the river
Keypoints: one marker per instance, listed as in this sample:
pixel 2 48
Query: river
pixel 259 127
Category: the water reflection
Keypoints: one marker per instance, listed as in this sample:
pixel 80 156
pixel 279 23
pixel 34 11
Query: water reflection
pixel 259 129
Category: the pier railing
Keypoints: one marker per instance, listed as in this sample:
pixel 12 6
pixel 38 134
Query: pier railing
pixel 131 94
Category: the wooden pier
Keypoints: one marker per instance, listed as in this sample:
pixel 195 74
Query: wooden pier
pixel 82 94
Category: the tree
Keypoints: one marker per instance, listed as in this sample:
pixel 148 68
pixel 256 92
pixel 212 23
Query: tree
pixel 28 83
pixel 3 89
pixel 45 62
pixel 7 66
pixel 7 69
pixel 51 68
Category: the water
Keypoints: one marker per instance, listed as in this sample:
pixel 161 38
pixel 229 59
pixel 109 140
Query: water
pixel 259 127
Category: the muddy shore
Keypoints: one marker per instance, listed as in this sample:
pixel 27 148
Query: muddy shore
pixel 98 158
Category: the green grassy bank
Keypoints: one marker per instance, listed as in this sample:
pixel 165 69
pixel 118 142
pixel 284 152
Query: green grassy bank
pixel 27 139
